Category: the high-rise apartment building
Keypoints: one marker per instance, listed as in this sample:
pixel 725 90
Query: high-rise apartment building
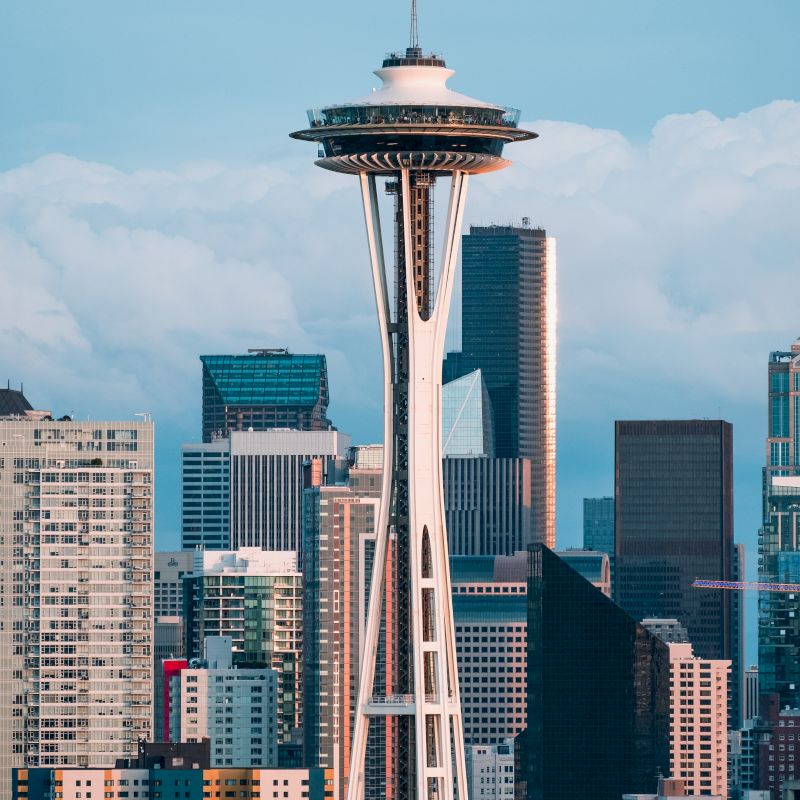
pixel 255 597
pixel 264 389
pixel 234 707
pixel 491 622
pixel 699 721
pixel 509 333
pixel 598 692
pixel 674 523
pixel 338 552
pixel 76 571
pixel 205 495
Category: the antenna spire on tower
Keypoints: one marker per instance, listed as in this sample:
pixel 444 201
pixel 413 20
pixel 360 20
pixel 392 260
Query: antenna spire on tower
pixel 414 37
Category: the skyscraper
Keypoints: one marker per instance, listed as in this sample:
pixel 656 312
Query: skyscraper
pixel 598 524
pixel 509 333
pixel 467 419
pixel 268 388
pixel 413 130
pixel 76 550
pixel 598 692
pixel 205 495
pixel 674 523
pixel 778 549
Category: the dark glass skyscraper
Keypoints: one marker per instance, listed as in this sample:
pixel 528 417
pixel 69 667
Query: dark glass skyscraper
pixel 674 523
pixel 598 692
pixel 264 389
pixel 778 542
pixel 598 524
pixel 508 332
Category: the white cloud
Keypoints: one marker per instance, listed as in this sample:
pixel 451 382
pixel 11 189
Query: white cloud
pixel 678 267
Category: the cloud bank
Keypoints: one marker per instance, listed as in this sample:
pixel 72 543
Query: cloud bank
pixel 678 268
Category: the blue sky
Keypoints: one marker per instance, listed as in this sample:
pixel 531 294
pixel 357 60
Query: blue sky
pixel 152 207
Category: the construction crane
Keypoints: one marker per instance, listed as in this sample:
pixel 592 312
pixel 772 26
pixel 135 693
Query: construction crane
pixel 758 586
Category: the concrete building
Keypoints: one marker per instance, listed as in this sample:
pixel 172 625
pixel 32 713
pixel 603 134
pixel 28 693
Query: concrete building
pixel 668 630
pixel 205 495
pixel 508 331
pixel 779 751
pixel 699 721
pixel 490 771
pixel 235 708
pixel 743 755
pixel 158 783
pixel 170 569
pixel 593 565
pixel 255 597
pixel 489 603
pixel 265 389
pixel 338 553
pixel 76 571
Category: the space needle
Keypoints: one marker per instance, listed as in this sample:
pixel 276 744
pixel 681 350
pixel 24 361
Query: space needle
pixel 411 131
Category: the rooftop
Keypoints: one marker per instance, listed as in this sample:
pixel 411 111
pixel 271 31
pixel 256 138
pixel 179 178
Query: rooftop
pixel 13 403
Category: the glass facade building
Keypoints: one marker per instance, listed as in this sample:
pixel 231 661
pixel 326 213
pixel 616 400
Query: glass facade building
pixel 264 389
pixel 598 524
pixel 598 692
pixel 205 495
pixel 674 523
pixel 509 333
pixel 467 424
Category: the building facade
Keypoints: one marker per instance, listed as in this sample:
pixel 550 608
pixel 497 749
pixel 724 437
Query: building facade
pixel 699 721
pixel 267 481
pixel 783 420
pixel 674 523
pixel 170 569
pixel 255 597
pixel 491 636
pixel 338 552
pixel 593 565
pixel 490 771
pixel 598 692
pixel 205 495
pixel 487 504
pixel 76 586
pixel 467 419
pixel 598 524
pixel 509 333
pixel 236 709
pixel 668 630
pixel 268 388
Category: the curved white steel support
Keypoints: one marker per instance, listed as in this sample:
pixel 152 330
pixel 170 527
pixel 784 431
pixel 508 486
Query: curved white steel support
pixel 435 702
pixel 355 788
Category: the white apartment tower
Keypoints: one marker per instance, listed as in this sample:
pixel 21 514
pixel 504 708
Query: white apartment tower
pixel 76 558
pixel 699 721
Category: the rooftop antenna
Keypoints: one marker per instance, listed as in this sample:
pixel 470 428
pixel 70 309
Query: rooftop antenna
pixel 414 36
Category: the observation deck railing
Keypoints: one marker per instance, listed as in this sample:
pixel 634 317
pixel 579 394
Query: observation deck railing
pixel 413 115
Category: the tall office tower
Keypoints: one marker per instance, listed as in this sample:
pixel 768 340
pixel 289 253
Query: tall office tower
pixel 736 689
pixel 412 131
pixel 339 534
pixel 779 554
pixel 264 389
pixel 509 333
pixel 235 707
pixel 205 495
pixel 255 597
pixel 699 721
pixel 674 523
pixel 592 565
pixel 170 567
pixel 598 692
pixel 491 622
pixel 490 770
pixel 487 500
pixel 76 558
pixel 266 484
